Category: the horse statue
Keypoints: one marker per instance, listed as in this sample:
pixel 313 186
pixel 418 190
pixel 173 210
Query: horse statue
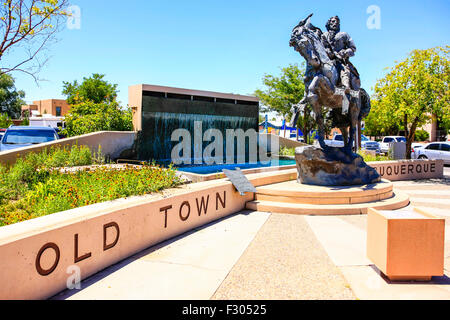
pixel 322 86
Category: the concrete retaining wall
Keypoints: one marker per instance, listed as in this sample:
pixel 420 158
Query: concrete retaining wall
pixel 38 257
pixel 111 142
pixel 409 169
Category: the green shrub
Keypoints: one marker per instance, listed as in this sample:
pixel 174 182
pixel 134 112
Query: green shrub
pixel 422 135
pixel 5 120
pixel 80 156
pixel 369 157
pixel 284 151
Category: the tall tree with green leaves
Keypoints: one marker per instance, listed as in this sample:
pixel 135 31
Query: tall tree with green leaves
pixel 11 99
pixel 380 122
pixel 412 92
pixel 27 27
pixel 94 89
pixel 93 107
pixel 282 92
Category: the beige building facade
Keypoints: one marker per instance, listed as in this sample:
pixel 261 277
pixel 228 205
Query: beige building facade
pixel 55 107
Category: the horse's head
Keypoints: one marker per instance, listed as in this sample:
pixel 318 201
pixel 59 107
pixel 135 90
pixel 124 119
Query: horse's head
pixel 302 40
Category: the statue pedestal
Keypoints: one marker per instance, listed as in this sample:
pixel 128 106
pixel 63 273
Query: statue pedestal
pixel 291 197
pixel 333 167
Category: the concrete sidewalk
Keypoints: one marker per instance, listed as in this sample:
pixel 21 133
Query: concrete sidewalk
pixel 258 255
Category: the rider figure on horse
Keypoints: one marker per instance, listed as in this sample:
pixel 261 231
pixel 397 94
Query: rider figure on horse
pixel 340 47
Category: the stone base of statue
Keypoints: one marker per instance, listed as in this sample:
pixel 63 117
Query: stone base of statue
pixel 333 167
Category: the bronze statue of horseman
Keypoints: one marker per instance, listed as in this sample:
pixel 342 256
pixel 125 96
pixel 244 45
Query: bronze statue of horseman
pixel 332 83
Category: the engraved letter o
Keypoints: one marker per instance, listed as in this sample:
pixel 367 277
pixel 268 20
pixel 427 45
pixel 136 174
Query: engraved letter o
pixel 185 204
pixel 39 268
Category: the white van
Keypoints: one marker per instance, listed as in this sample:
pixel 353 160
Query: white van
pixel 48 121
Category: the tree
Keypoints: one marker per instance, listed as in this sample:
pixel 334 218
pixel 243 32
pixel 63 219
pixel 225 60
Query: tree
pixel 284 91
pixel 380 122
pixel 5 121
pixel 93 107
pixel 412 92
pixel 93 89
pixel 10 99
pixel 87 117
pixel 27 27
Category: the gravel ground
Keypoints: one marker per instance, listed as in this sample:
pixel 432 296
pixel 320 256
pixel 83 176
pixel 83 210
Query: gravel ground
pixel 284 261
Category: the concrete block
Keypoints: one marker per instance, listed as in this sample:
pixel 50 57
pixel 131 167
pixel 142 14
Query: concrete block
pixel 406 244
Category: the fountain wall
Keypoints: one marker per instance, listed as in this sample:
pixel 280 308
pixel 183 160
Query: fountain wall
pixel 159 111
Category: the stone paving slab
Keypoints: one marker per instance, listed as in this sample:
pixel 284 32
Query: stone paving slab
pixel 344 242
pixel 368 284
pixel 285 261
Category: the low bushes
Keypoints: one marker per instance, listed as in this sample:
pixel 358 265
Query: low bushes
pixel 370 157
pixel 32 188
pixel 367 156
pixel 285 151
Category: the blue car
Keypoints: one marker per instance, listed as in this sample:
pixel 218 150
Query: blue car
pixel 24 136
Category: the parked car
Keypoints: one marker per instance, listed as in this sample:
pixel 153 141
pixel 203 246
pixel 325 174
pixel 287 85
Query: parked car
pixel 386 142
pixel 23 136
pixel 337 141
pixel 368 144
pixel 414 148
pixel 435 150
pixel 2 132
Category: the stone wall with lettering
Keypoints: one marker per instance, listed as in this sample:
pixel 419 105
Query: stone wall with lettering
pixel 36 267
pixel 409 169
pixel 38 257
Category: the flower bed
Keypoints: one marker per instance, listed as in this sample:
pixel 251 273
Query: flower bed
pixel 33 188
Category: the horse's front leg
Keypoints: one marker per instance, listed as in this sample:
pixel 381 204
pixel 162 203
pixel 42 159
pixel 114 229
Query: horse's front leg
pixel 351 139
pixel 317 88
pixel 344 135
pixel 317 108
pixel 354 114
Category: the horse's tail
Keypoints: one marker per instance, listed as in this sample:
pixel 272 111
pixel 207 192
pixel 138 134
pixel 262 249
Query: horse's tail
pixel 365 104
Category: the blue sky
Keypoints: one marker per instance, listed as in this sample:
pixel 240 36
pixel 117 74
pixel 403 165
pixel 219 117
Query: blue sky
pixel 224 46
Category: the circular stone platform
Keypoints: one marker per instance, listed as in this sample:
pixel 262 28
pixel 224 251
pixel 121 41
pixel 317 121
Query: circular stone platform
pixel 295 198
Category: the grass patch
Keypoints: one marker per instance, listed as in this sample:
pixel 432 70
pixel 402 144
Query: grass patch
pixel 284 151
pixel 367 156
pixel 31 188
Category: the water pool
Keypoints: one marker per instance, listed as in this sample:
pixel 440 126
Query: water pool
pixel 204 169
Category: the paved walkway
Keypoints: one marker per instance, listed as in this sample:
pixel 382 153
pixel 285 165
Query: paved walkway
pixel 257 255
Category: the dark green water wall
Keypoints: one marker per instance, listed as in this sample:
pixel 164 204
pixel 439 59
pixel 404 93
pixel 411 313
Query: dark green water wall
pixel 162 116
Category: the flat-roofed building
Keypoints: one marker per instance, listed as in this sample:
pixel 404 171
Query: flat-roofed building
pixel 55 107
